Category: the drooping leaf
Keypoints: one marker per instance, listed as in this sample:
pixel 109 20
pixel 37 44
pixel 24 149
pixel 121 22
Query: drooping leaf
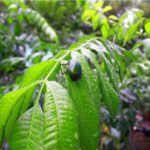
pixel 10 107
pixel 93 78
pixel 109 95
pixel 113 51
pixel 28 131
pixel 83 99
pixel 60 119
pixel 110 72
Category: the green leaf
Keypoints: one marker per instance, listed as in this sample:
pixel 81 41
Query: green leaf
pixel 96 21
pixel 105 29
pixel 115 52
pixel 107 8
pixel 87 14
pixel 110 72
pixel 93 77
pixel 132 30
pixel 83 97
pixel 113 17
pixel 60 119
pixel 109 95
pixel 147 27
pixel 98 4
pixel 28 130
pixel 10 108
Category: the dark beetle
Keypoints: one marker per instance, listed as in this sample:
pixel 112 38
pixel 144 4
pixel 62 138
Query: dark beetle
pixel 74 70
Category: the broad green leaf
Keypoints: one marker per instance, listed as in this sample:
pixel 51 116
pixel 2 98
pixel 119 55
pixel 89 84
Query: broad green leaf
pixel 83 97
pixel 28 131
pixel 93 77
pixel 60 119
pixel 10 107
pixel 109 95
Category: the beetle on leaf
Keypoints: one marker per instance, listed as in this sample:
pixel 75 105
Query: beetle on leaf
pixel 74 69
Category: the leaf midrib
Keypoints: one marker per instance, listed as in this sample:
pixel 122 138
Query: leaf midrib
pixel 57 114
